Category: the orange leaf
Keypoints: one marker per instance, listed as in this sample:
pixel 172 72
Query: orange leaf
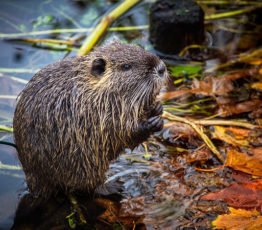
pixel 239 219
pixel 245 195
pixel 233 136
pixel 248 162
pixel 173 94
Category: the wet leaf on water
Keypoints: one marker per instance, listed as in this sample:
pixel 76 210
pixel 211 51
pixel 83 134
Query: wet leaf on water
pixel 239 219
pixel 245 195
pixel 248 162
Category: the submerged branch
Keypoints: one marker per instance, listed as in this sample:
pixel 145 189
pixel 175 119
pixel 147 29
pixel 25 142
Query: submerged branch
pixel 9 167
pixel 8 143
pixel 17 70
pixel 105 22
pixel 205 138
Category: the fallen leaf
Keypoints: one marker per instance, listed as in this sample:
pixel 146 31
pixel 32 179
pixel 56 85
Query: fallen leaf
pixel 212 86
pixel 257 85
pixel 239 219
pixel 174 94
pixel 248 162
pixel 233 136
pixel 245 195
pixel 242 107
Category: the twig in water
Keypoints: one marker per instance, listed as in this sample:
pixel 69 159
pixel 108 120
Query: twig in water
pixel 205 138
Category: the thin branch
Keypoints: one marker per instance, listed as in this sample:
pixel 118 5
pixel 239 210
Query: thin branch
pixel 226 122
pixel 205 138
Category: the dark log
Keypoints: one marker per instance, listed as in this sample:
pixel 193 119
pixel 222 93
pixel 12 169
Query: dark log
pixel 175 24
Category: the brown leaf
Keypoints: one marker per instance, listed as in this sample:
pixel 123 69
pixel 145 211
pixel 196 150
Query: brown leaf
pixel 250 162
pixel 246 195
pixel 211 86
pixel 184 132
pixel 242 107
pixel 239 219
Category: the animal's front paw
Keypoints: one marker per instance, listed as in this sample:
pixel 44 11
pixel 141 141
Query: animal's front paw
pixel 157 110
pixel 153 124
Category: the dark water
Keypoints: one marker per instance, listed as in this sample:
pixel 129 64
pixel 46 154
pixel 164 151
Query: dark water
pixel 21 60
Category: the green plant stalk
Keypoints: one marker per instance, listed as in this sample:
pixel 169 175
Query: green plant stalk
pixel 45 41
pixel 205 138
pixel 14 70
pixel 6 129
pixel 74 30
pixel 77 208
pixel 230 2
pixel 232 13
pixel 103 24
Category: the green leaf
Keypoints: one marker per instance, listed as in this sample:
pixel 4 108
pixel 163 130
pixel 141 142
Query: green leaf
pixel 182 70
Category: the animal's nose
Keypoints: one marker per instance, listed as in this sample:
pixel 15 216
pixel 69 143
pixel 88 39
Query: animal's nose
pixel 162 69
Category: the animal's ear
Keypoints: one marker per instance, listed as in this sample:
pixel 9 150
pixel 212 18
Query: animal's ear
pixel 98 67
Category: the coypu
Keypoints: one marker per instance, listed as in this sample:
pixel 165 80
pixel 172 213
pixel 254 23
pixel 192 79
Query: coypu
pixel 76 115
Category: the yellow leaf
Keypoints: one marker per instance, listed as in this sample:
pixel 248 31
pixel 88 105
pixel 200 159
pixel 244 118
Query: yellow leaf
pixel 233 136
pixel 239 219
pixel 257 85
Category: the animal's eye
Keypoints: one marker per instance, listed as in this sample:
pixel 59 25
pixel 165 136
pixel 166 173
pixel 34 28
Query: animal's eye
pixel 126 67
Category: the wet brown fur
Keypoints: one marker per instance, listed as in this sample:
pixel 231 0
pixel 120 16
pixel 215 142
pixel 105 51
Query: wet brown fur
pixel 69 124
